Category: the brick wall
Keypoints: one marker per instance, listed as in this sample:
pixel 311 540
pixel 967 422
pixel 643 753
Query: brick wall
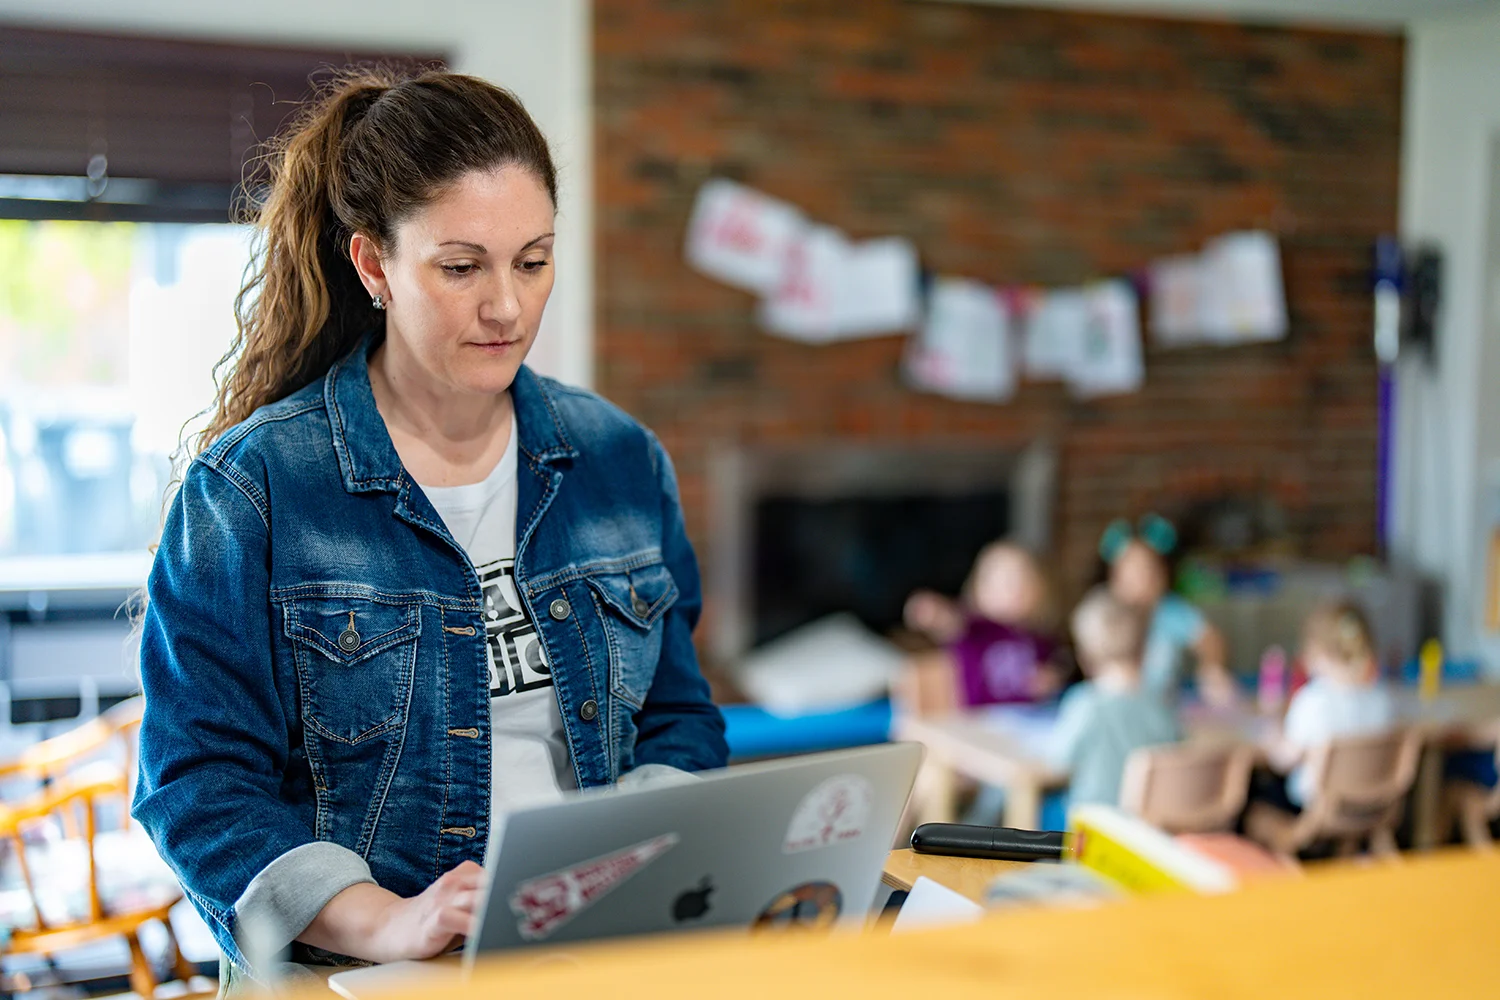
pixel 1010 145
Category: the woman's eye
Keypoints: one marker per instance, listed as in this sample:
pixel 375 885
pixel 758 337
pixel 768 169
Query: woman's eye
pixel 534 265
pixel 460 269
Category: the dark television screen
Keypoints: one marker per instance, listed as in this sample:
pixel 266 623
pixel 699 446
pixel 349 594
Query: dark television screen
pixel 864 554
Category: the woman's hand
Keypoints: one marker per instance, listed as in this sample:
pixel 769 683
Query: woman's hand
pixel 368 922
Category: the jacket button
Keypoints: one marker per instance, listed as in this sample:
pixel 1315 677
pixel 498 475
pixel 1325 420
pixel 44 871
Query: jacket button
pixel 640 607
pixel 589 710
pixel 560 609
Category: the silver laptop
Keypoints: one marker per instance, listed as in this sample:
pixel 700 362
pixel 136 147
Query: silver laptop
pixel 798 842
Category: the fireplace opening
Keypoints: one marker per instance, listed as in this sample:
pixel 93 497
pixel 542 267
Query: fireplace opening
pixel 800 534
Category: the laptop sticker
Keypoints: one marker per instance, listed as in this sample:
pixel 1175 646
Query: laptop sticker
pixel 548 901
pixel 809 905
pixel 833 812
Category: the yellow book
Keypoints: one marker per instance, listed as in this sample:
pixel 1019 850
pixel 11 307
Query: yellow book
pixel 1140 858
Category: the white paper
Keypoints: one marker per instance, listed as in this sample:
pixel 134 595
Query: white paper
pixel 833 289
pixel 1054 333
pixel 964 349
pixel 878 288
pixel 1242 297
pixel 932 904
pixel 804 303
pixel 740 236
pixel 1176 309
pixel 1109 359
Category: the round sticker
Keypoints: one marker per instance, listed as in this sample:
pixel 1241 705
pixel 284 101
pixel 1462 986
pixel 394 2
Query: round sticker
pixel 833 812
pixel 811 904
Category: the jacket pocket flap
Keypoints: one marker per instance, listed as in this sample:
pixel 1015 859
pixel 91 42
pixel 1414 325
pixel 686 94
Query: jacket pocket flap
pixel 327 626
pixel 641 596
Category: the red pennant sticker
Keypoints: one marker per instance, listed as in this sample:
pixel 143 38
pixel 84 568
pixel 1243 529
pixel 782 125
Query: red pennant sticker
pixel 548 901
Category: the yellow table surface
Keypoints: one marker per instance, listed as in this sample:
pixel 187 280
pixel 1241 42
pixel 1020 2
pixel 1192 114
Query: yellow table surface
pixel 1424 928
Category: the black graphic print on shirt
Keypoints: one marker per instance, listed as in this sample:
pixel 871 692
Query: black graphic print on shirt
pixel 516 659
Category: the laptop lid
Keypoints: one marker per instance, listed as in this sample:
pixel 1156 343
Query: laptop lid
pixel 799 841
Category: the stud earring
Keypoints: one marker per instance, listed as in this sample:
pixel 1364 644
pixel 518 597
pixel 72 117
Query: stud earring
pixel 378 302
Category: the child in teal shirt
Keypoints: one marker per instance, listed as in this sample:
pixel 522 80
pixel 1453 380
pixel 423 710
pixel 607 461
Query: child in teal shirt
pixel 1113 713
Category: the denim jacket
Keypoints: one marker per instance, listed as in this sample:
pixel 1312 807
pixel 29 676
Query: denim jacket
pixel 313 654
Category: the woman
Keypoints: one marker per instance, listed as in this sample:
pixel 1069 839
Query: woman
pixel 408 584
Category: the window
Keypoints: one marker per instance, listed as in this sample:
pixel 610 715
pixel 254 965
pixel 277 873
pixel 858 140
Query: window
pixel 108 336
pixel 118 272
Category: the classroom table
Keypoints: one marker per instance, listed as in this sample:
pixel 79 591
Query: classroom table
pixel 1003 746
pixel 1006 746
pixel 969 877
pixel 1423 928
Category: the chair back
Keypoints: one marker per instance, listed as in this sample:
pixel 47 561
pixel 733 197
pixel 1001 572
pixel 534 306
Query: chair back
pixel 1360 782
pixel 53 831
pixel 112 734
pixel 1188 788
pixel 56 796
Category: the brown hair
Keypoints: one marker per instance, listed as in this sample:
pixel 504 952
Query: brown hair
pixel 1340 630
pixel 371 147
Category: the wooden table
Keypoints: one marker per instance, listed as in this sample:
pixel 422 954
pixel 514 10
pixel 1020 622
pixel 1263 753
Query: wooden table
pixel 968 877
pixel 974 746
pixel 978 746
pixel 1424 928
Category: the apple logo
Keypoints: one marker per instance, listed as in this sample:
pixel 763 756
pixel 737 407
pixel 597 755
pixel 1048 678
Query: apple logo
pixel 693 904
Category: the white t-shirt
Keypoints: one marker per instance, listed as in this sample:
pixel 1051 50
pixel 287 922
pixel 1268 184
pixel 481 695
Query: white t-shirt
pixel 1322 710
pixel 530 765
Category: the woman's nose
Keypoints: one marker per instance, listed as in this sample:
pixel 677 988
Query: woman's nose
pixel 502 305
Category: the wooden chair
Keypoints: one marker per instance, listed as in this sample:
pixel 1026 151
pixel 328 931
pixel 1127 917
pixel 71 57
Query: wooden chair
pixel 1473 805
pixel 1359 785
pixel 1188 788
pixel 84 880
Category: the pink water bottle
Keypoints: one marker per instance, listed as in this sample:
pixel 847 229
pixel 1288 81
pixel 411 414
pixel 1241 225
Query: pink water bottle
pixel 1270 689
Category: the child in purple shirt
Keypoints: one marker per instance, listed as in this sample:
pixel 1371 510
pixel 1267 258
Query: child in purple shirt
pixel 997 648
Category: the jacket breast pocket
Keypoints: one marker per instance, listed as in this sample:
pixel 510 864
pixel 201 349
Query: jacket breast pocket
pixel 632 606
pixel 355 660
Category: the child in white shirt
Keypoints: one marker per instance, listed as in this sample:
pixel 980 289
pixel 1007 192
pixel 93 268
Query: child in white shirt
pixel 1344 696
pixel 1102 720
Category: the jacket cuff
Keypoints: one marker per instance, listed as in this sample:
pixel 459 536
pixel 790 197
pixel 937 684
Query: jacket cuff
pixel 288 893
pixel 655 776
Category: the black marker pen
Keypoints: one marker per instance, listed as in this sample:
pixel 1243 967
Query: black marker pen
pixel 999 843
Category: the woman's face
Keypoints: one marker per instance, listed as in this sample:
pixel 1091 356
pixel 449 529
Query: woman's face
pixel 1138 576
pixel 466 282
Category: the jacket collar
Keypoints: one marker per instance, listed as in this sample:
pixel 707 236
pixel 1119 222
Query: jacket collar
pixel 367 458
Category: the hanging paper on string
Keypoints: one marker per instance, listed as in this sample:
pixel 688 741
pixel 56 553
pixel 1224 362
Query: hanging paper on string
pixel 1054 326
pixel 803 303
pixel 964 348
pixel 879 289
pixel 1176 291
pixel 1242 298
pixel 832 289
pixel 741 236
pixel 1109 360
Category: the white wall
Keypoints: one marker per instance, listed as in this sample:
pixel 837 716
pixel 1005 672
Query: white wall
pixel 1449 418
pixel 540 49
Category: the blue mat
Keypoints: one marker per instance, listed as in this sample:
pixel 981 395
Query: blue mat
pixel 754 732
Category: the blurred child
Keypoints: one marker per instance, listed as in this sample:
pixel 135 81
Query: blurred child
pixel 997 646
pixel 1343 695
pixel 1138 576
pixel 1102 720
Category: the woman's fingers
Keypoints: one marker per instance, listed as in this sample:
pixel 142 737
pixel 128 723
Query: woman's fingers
pixel 464 900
